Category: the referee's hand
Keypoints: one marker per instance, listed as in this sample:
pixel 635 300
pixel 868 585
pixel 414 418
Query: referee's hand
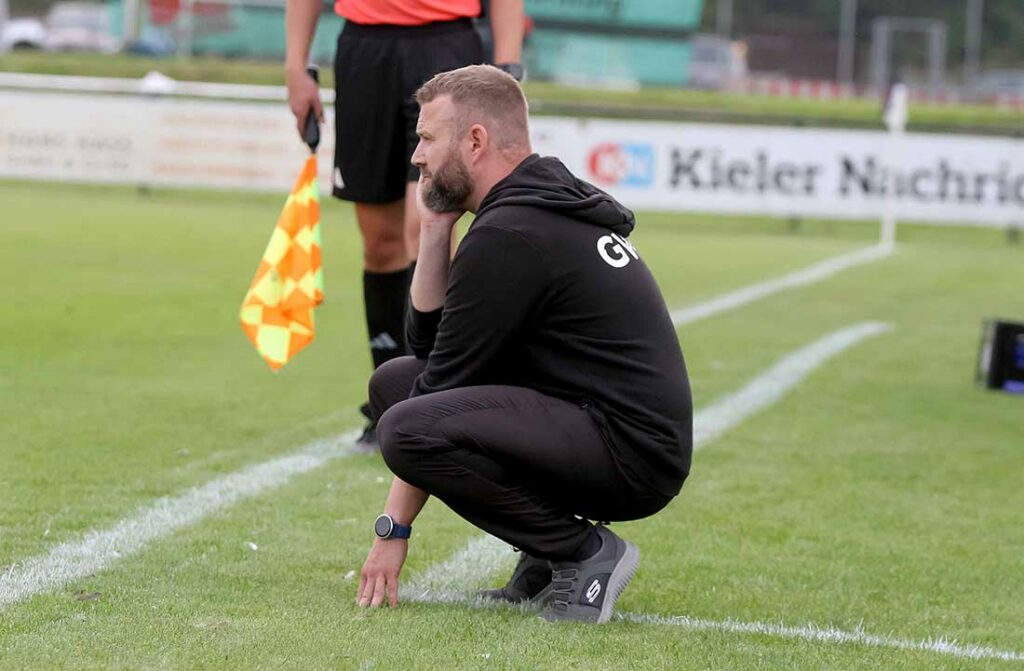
pixel 303 96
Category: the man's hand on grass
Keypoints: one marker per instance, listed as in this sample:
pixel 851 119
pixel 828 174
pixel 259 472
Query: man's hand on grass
pixel 379 577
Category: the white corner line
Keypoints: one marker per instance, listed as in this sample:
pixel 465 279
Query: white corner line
pixel 449 581
pixel 812 632
pixel 754 292
pixel 99 548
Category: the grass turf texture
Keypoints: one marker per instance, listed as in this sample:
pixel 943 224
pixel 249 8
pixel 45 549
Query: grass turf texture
pixel 883 492
pixel 549 98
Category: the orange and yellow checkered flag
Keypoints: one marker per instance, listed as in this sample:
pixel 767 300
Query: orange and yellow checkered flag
pixel 277 313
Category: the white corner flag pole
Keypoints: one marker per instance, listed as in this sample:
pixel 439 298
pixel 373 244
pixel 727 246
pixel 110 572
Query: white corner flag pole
pixel 895 116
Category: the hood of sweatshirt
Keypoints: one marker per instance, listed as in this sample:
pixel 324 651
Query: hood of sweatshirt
pixel 544 182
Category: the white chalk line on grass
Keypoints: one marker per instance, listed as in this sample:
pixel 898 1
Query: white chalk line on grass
pixel 99 548
pixel 457 578
pixel 443 582
pixel 754 292
pixel 812 632
pixel 770 386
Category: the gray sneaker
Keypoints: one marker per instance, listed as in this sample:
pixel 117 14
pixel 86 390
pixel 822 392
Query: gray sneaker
pixel 586 591
pixel 530 583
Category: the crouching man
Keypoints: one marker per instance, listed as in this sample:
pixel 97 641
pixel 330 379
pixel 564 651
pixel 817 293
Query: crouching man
pixel 548 389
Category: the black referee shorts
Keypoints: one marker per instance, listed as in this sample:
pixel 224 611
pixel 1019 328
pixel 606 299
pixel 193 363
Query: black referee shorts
pixel 377 70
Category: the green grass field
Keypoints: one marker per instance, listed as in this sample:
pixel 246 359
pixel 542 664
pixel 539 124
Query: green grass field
pixel 549 98
pixel 883 493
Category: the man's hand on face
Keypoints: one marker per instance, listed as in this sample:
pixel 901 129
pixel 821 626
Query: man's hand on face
pixel 431 221
pixel 379 577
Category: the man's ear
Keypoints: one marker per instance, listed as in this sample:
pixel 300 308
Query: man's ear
pixel 479 139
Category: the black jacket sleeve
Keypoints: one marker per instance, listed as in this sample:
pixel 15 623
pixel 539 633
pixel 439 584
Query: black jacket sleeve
pixel 496 280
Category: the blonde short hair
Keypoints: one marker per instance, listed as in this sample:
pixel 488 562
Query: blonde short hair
pixel 481 93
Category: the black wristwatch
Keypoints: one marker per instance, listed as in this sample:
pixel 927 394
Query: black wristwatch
pixel 517 70
pixel 385 527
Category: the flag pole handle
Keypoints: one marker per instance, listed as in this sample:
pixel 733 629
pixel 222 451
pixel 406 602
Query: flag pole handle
pixel 311 131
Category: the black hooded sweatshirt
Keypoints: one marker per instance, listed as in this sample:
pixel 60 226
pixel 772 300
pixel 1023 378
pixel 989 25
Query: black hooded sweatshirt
pixel 546 292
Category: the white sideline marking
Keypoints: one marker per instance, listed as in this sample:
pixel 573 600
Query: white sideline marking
pixel 799 278
pixel 101 547
pixel 812 632
pixel 457 578
pixel 770 386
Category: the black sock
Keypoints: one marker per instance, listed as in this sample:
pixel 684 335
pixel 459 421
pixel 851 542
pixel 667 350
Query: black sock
pixel 385 296
pixel 589 547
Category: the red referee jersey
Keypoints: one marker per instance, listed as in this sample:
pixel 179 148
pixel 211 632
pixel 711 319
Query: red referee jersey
pixel 405 12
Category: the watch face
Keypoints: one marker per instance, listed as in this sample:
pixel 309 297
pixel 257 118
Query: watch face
pixel 382 527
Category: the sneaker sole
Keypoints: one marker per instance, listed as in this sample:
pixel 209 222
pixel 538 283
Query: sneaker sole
pixel 619 579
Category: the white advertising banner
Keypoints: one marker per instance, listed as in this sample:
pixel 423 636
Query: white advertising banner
pixel 153 141
pixel 784 172
pixel 682 167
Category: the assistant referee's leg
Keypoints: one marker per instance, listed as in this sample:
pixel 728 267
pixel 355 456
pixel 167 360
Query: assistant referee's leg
pixel 527 468
pixel 385 277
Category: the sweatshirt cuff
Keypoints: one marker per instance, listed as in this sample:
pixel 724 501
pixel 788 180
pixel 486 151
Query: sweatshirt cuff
pixel 421 330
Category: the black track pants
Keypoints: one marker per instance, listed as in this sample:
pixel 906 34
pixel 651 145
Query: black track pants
pixel 524 467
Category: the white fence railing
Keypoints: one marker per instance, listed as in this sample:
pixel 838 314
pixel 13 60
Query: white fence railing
pixel 153 83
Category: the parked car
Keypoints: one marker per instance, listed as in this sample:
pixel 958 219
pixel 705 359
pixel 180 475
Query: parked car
pixel 79 26
pixel 716 62
pixel 22 34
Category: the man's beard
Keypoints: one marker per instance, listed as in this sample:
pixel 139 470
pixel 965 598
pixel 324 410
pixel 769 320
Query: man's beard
pixel 449 187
